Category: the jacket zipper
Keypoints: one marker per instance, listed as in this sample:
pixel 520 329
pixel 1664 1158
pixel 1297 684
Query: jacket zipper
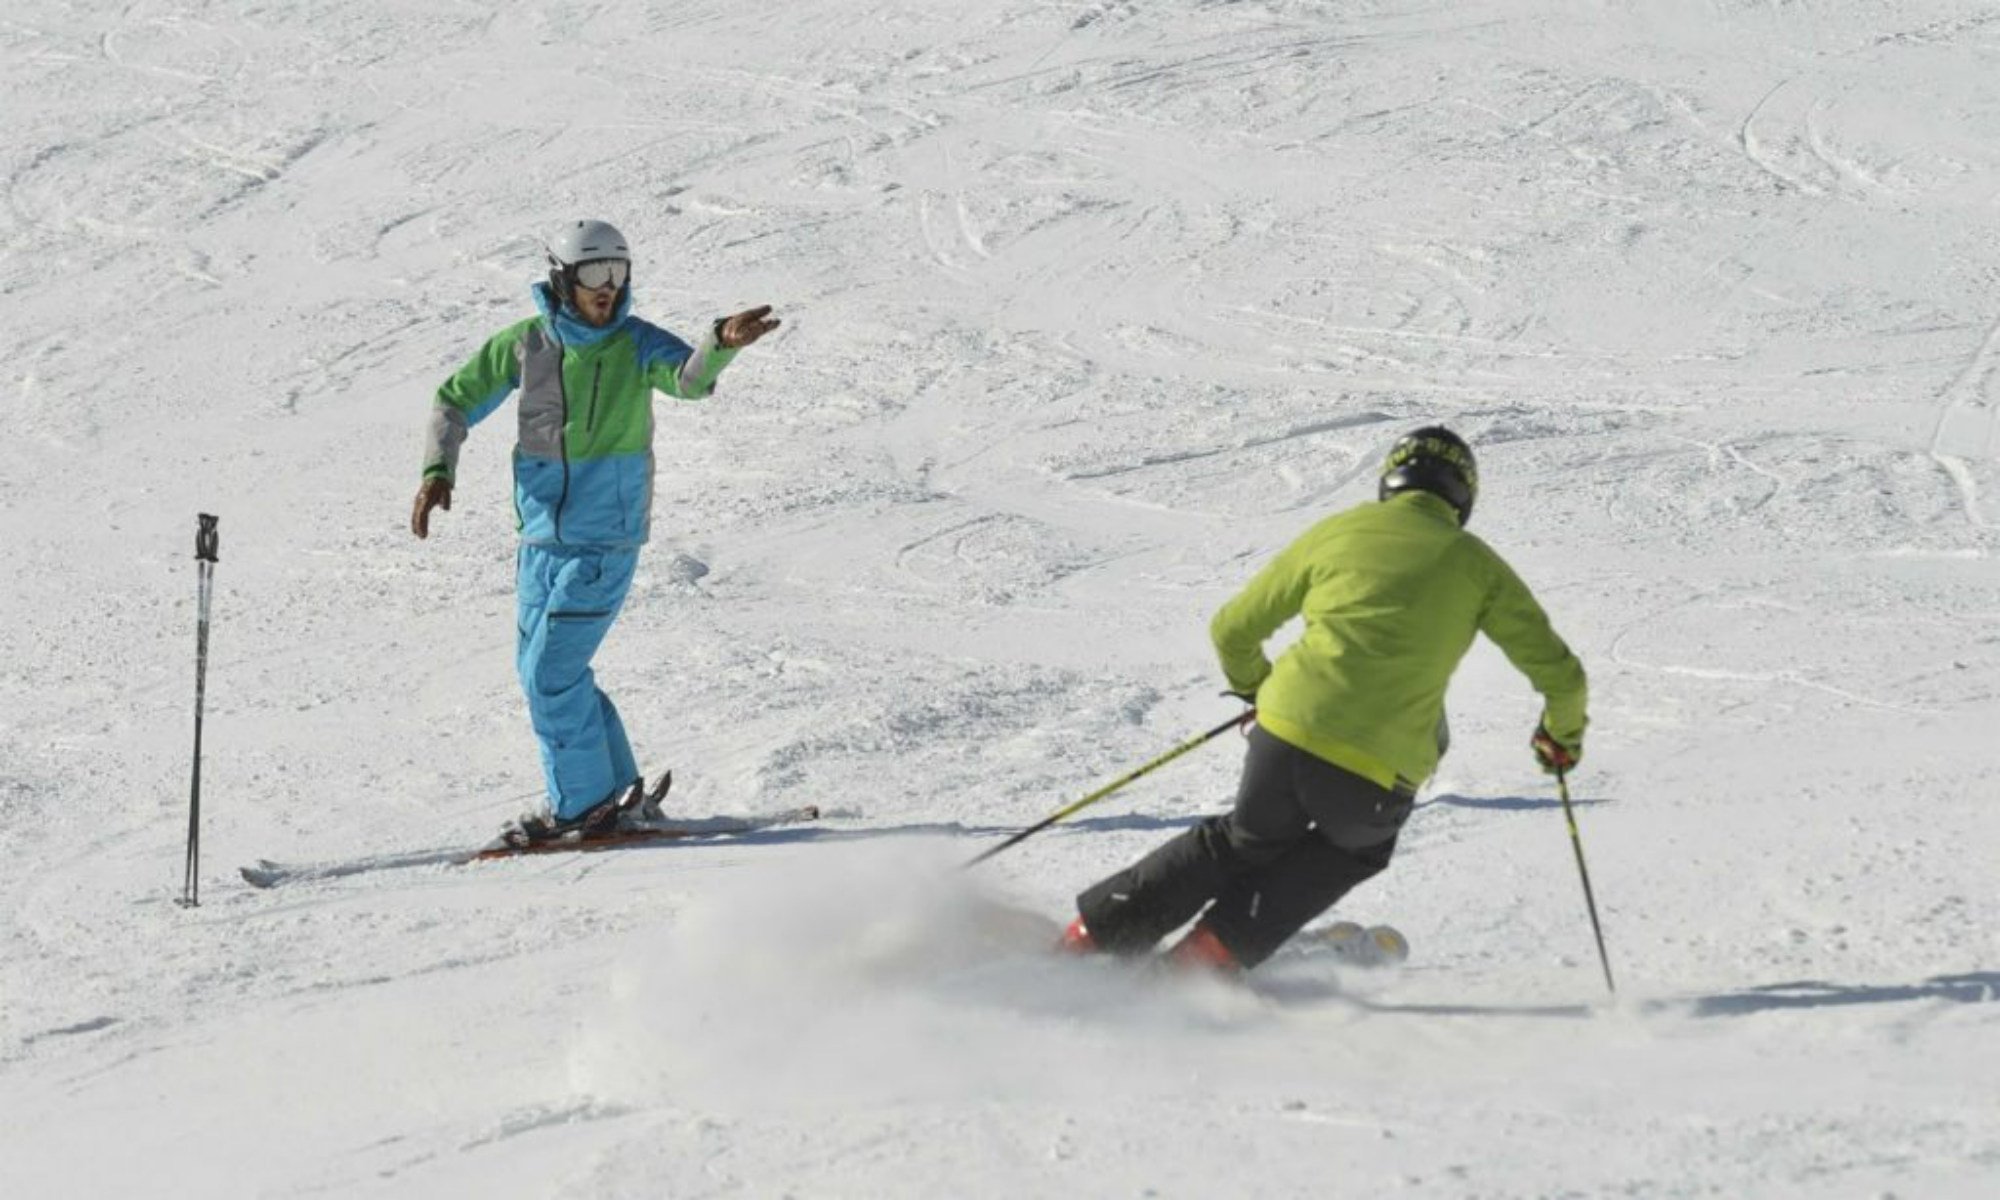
pixel 596 378
pixel 562 437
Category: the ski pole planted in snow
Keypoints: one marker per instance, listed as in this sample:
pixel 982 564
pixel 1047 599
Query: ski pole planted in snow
pixel 206 542
pixel 1114 785
pixel 1590 902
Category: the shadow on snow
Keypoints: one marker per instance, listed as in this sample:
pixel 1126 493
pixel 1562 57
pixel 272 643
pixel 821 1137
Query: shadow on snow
pixel 1509 803
pixel 811 833
pixel 1977 987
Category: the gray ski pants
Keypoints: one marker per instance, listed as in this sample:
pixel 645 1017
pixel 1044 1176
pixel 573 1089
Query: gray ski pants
pixel 1303 833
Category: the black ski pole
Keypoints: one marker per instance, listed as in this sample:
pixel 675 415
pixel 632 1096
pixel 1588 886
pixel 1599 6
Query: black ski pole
pixel 1590 902
pixel 1113 786
pixel 206 542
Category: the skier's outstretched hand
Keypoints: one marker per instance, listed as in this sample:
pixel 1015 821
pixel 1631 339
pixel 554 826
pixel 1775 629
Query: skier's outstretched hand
pixel 435 493
pixel 745 327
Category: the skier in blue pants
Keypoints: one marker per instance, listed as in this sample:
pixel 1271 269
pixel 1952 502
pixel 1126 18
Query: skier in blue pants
pixel 586 369
pixel 567 600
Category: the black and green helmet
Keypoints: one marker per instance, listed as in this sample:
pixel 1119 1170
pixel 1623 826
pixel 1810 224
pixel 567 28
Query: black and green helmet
pixel 1435 460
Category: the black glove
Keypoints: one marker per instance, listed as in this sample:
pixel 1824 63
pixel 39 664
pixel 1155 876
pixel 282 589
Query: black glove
pixel 1555 757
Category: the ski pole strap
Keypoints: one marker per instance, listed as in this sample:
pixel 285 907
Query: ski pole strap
pixel 206 540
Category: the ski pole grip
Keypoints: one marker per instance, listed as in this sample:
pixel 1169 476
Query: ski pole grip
pixel 206 540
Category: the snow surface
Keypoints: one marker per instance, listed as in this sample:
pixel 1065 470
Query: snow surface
pixel 1089 308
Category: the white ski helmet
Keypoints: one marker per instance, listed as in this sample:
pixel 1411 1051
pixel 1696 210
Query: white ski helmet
pixel 584 241
pixel 580 242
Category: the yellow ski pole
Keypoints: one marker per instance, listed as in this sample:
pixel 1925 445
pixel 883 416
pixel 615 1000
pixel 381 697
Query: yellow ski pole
pixel 1590 902
pixel 1114 785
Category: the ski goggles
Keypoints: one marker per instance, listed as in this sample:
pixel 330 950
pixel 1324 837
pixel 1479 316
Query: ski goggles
pixel 601 273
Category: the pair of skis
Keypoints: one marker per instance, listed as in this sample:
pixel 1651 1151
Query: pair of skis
pixel 647 825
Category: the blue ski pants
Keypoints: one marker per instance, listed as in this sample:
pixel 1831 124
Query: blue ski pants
pixel 568 598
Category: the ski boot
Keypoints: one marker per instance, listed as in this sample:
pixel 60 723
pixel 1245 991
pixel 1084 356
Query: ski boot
pixel 599 820
pixel 1202 950
pixel 640 807
pixel 1076 940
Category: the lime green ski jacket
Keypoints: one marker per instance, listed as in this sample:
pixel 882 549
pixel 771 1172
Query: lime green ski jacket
pixel 1392 594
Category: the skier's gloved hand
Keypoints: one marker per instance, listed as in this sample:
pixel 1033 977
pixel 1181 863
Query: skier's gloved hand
pixel 1554 756
pixel 435 493
pixel 738 331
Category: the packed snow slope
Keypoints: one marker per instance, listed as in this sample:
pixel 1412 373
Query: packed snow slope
pixel 1089 308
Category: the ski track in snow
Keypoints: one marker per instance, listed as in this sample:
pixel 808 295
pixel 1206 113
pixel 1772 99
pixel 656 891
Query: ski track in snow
pixel 1089 309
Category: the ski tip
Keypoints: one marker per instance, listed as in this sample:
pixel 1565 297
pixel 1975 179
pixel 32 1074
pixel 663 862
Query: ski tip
pixel 259 876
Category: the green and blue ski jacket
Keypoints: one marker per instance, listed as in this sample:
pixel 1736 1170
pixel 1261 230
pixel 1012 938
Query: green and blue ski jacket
pixel 1392 594
pixel 583 461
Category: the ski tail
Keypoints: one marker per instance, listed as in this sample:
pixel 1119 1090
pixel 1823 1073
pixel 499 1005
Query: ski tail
pixel 1361 945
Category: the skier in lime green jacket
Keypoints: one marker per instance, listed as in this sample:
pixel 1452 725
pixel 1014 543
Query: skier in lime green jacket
pixel 1349 721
